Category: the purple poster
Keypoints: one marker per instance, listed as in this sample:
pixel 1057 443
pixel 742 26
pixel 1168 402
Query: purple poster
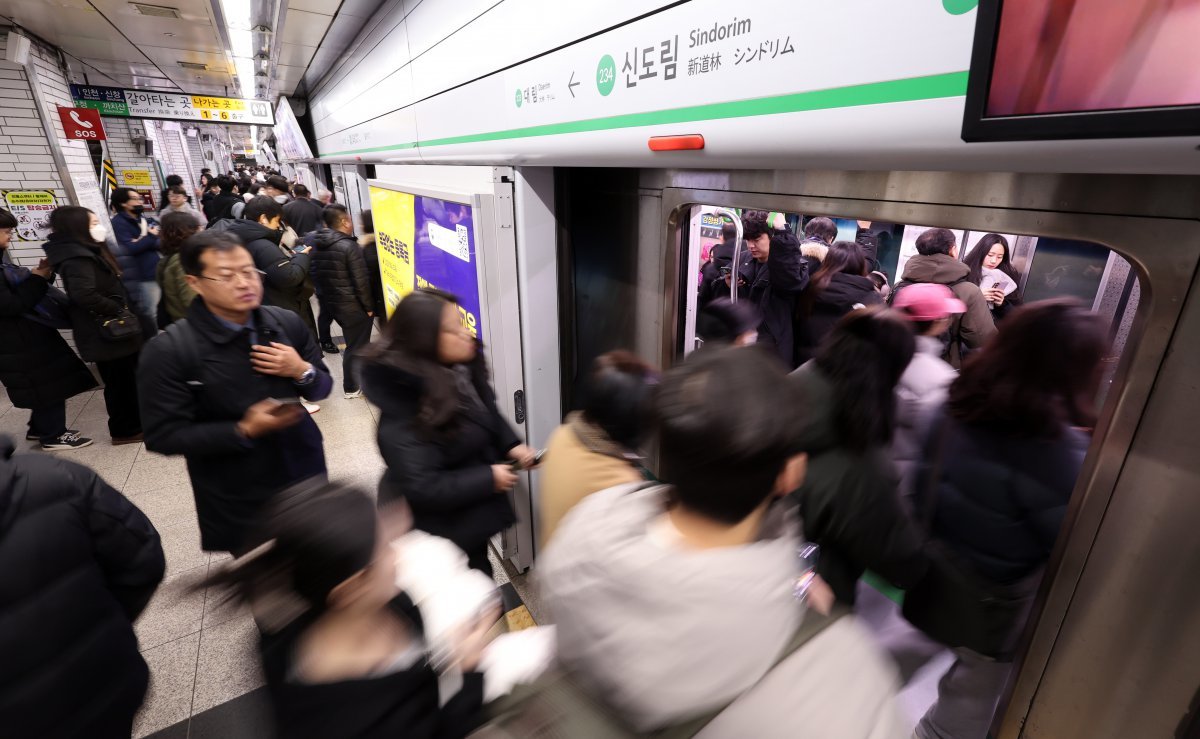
pixel 445 254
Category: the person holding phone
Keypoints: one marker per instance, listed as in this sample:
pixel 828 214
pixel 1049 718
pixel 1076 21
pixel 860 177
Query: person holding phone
pixel 221 387
pixel 137 255
pixel 992 254
pixel 440 433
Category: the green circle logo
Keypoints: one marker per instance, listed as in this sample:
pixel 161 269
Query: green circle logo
pixel 519 98
pixel 958 7
pixel 606 75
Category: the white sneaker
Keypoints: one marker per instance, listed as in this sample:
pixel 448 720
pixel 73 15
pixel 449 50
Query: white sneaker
pixel 310 407
pixel 354 395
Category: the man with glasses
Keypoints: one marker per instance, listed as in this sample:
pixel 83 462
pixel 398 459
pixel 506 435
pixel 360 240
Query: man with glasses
pixel 223 388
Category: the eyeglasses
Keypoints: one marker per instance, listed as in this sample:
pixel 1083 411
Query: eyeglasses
pixel 246 275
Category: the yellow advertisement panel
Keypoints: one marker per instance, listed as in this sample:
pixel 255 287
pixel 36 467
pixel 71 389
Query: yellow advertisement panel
pixel 135 177
pixel 395 233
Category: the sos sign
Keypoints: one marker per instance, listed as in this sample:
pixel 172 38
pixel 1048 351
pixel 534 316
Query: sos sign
pixel 81 123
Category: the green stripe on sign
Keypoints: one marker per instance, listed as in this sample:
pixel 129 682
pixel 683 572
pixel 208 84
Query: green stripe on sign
pixel 950 84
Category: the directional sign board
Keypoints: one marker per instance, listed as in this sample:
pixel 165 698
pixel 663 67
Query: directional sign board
pixel 81 123
pixel 126 103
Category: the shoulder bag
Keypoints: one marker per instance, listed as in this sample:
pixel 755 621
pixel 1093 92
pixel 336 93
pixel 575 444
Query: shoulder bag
pixel 120 327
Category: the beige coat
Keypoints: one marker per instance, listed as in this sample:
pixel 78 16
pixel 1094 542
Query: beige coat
pixel 580 460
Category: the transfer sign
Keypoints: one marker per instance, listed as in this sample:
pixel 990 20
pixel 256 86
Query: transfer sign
pixel 126 103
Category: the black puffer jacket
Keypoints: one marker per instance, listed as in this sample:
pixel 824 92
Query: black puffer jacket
pixel 1002 497
pixel 221 207
pixel 339 272
pixel 36 365
pixel 78 563
pixel 447 481
pixel 285 276
pixel 849 500
pixel 95 289
pixel 818 314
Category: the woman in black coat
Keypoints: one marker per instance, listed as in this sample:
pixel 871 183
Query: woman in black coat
pixel 992 253
pixel 92 279
pixel 37 367
pixel 78 563
pixel 838 287
pixel 440 433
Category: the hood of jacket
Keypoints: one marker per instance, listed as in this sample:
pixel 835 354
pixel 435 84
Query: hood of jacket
pixel 60 248
pixel 816 429
pixel 941 269
pixel 249 231
pixel 846 289
pixel 324 238
pixel 663 633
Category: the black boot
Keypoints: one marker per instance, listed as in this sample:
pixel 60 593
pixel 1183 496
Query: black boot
pixel 330 348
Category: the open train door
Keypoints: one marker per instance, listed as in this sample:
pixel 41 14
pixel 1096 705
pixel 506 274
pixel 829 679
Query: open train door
pixel 459 234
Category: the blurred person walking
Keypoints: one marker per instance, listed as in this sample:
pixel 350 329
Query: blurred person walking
pixel 370 251
pixel 598 446
pixel 78 564
pixel 440 433
pixel 39 371
pixel 725 322
pixel 839 286
pixel 137 255
pixel 177 294
pixel 1001 466
pixel 105 329
pixel 686 605
pixel 222 388
pixel 849 503
pixel 343 288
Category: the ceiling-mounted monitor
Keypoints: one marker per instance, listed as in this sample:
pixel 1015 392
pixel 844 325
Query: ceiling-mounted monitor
pixel 289 139
pixel 1074 69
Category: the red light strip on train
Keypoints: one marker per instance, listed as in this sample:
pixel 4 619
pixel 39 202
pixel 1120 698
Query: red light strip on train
pixel 689 142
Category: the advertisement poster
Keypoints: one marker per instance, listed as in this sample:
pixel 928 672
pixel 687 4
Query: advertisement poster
pixel 32 210
pixel 426 242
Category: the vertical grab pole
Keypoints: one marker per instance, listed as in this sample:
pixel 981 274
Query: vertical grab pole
pixel 737 251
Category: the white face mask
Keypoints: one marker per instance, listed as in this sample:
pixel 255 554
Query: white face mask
pixel 281 198
pixel 98 232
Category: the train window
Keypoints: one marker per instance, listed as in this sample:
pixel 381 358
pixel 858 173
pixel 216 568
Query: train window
pixel 747 283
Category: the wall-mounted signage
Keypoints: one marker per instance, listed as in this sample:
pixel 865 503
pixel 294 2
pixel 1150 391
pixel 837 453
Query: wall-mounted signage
pixel 171 106
pixel 81 123
pixel 32 209
pixel 135 178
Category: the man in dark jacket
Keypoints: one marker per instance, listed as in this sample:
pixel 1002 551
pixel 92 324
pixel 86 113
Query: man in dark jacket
pixel 937 262
pixel 285 271
pixel 221 206
pixel 774 277
pixel 343 287
pixel 303 213
pixel 138 256
pixel 78 563
pixel 212 388
pixel 38 369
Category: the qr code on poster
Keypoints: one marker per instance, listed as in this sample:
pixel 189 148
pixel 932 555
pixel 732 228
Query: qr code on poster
pixel 464 245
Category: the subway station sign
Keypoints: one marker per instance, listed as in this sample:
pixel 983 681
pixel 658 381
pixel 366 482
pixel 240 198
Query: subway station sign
pixel 126 103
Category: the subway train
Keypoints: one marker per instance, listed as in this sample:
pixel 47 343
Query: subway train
pixel 591 178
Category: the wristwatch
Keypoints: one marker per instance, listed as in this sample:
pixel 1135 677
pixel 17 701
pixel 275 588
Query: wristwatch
pixel 309 375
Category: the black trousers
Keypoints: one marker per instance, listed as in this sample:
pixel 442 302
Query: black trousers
pixel 120 395
pixel 356 327
pixel 324 322
pixel 49 421
pixel 477 559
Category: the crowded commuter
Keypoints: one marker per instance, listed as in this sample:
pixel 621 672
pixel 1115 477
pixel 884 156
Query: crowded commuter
pixel 684 605
pixel 343 287
pixel 720 259
pixel 869 242
pixel 137 255
pixel 440 433
pixel 725 322
pixel 206 189
pixel 39 371
pixel 303 213
pixel 819 234
pixel 846 410
pixel 1001 466
pixel 937 262
pixel 177 202
pixel 173 180
pixel 105 330
pixel 177 294
pixel 324 197
pixel 599 446
pixel 276 187
pixel 990 255
pixel 370 251
pixel 350 660
pixel 221 387
pixel 922 389
pixel 285 271
pixel 78 564
pixel 221 206
pixel 839 286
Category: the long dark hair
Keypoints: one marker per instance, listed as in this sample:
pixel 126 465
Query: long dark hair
pixel 73 223
pixel 843 256
pixel 863 357
pixel 618 397
pixel 410 344
pixel 176 228
pixel 1039 373
pixel 317 535
pixel 976 256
